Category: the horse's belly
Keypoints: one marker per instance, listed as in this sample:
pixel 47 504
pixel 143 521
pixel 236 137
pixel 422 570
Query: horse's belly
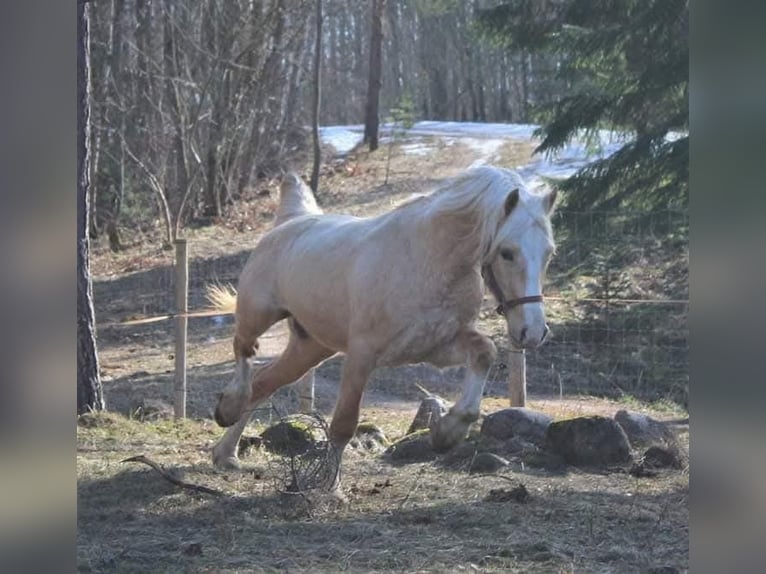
pixel 326 330
pixel 421 342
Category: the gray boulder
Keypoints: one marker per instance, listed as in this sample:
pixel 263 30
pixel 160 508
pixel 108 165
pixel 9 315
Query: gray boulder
pixel 643 430
pixel 461 455
pixel 414 447
pixel 517 422
pixel 293 436
pixel 152 410
pixel 487 462
pixel 431 409
pixel 370 437
pixel 589 441
pixel 663 457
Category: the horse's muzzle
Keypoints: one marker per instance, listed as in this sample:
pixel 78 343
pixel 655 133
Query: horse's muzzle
pixel 524 341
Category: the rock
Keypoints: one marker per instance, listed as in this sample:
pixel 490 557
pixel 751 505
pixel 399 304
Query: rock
pixel 461 455
pixel 414 447
pixel 97 419
pixel 152 410
pixel 545 460
pixel 518 494
pixel 640 470
pixel 246 443
pixel 518 447
pixel 431 409
pixel 290 437
pixel 663 457
pixel 518 422
pixel 643 430
pixel 372 430
pixel 589 441
pixel 487 462
pixel 369 436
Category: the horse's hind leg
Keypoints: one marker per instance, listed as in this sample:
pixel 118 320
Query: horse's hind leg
pixel 225 450
pixel 356 371
pixel 302 353
pixel 480 353
pixel 253 319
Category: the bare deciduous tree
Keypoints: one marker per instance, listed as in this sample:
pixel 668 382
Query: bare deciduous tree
pixel 195 100
pixel 191 105
pixel 374 83
pixel 89 393
pixel 317 98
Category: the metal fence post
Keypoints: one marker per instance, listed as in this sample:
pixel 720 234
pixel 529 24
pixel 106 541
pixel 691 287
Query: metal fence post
pixel 181 320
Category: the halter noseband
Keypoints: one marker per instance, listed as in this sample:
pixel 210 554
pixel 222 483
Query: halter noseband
pixel 511 303
pixel 505 304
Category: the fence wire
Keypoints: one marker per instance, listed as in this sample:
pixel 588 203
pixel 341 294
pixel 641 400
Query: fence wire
pixel 617 304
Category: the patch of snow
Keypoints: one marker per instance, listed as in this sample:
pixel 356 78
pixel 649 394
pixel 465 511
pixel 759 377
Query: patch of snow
pixel 417 148
pixel 342 138
pixel 486 139
pixel 486 148
pixel 476 129
pixel 572 157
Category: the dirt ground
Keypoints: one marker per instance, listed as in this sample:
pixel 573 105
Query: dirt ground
pixel 421 517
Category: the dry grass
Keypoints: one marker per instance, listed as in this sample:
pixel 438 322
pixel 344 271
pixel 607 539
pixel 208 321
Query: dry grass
pixel 412 518
pixel 409 518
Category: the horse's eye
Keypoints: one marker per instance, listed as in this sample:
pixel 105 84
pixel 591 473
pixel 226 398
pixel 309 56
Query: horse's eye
pixel 506 254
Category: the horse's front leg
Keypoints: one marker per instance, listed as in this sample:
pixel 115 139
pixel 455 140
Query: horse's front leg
pixel 480 353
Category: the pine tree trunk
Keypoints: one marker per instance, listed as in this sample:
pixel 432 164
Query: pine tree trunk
pixel 372 112
pixel 89 393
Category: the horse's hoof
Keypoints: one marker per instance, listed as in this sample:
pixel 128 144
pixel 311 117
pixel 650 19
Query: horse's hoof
pixel 441 443
pixel 450 430
pixel 222 418
pixel 226 462
pixel 219 419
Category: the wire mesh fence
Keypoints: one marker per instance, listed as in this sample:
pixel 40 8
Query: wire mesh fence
pixel 617 304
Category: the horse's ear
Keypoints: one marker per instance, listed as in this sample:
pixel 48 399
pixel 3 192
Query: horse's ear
pixel 511 201
pixel 549 200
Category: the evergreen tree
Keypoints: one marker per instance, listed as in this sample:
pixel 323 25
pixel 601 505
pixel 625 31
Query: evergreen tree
pixel 622 65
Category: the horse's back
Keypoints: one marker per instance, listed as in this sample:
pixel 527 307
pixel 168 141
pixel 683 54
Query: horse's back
pixel 300 264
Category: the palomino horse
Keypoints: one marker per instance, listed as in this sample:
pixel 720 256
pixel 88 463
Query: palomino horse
pixel 402 287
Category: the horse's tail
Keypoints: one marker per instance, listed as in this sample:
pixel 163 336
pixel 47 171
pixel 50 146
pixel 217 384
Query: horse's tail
pixel 221 298
pixel 295 199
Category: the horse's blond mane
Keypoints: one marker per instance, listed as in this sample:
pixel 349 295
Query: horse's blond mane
pixel 482 192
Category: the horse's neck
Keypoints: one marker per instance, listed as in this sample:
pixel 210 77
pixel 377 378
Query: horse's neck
pixel 452 239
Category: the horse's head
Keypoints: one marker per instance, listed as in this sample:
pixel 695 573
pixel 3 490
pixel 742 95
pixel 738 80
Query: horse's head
pixel 515 267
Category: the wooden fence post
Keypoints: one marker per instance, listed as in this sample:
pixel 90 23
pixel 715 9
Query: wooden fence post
pixel 181 320
pixel 517 377
pixel 305 388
